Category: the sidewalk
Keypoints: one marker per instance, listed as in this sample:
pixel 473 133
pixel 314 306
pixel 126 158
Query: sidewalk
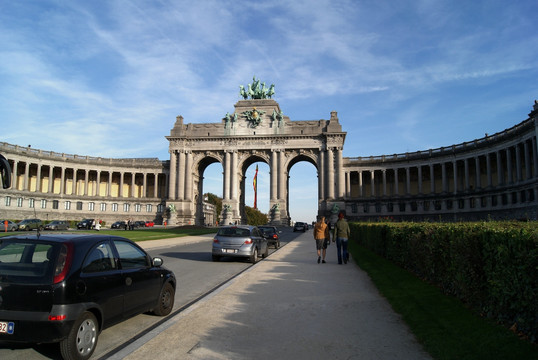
pixel 286 307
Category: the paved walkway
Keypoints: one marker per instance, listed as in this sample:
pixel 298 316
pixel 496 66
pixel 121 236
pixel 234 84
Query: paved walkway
pixel 286 307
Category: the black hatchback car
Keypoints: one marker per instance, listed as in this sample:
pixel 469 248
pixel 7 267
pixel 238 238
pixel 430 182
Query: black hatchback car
pixel 67 288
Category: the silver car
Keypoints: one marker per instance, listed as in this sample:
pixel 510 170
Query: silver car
pixel 57 225
pixel 10 226
pixel 240 241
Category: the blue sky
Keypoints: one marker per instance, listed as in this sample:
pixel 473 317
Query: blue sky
pixel 108 78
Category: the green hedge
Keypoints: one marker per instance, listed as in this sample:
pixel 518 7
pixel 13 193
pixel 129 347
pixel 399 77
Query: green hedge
pixel 491 266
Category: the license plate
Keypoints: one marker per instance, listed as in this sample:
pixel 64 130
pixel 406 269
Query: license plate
pixel 233 251
pixel 7 327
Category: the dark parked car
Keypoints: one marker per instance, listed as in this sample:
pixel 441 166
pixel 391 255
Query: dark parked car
pixel 239 241
pixel 300 226
pixel 271 234
pixel 11 226
pixel 67 288
pixel 118 225
pixel 30 224
pixel 139 224
pixel 86 224
pixel 57 225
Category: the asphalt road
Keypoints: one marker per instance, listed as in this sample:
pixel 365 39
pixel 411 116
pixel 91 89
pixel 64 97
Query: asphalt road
pixel 196 274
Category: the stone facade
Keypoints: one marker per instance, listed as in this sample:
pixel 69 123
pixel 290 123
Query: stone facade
pixel 495 177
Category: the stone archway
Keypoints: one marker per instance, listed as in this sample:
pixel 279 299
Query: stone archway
pixel 257 130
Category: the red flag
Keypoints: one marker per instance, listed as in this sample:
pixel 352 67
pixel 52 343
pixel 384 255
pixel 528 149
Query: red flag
pixel 255 184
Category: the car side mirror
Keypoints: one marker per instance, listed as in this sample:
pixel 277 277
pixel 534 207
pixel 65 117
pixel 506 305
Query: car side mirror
pixel 157 261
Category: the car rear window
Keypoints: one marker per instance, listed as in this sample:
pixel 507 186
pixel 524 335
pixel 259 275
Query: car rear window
pixel 234 232
pixel 27 262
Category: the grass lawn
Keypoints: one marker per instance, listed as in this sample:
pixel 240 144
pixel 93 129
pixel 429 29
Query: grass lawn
pixel 442 324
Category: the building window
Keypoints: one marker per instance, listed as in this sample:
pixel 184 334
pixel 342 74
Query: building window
pixel 43 204
pixel 19 202
pixel 149 208
pixel 365 208
pixel 514 198
pixel 31 203
pixel 461 203
pixel 402 206
pixel 103 206
pixel 414 206
pixel 138 207
pixel 354 208
pixel 484 201
pixel 79 205
pixel 126 207
pixel 67 205
pixel 449 204
pixel 91 206
pixel 377 207
pixel 8 200
pixel 437 205
pixel 472 203
pixel 160 208
pixel 426 205
pixel 114 207
pixel 55 204
pixel 390 207
pixel 494 200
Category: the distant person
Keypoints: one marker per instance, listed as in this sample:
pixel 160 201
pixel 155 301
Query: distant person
pixel 341 234
pixel 98 225
pixel 320 235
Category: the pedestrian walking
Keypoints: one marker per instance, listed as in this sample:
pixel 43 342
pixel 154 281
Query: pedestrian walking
pixel 320 235
pixel 341 234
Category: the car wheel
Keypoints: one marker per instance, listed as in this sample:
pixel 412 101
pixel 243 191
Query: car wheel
pixel 166 300
pixel 254 256
pixel 82 338
pixel 266 253
pixel 277 244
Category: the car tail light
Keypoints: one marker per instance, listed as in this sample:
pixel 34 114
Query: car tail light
pixel 216 241
pixel 57 317
pixel 275 236
pixel 63 263
pixel 249 241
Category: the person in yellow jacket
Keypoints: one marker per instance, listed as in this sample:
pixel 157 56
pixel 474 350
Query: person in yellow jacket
pixel 321 232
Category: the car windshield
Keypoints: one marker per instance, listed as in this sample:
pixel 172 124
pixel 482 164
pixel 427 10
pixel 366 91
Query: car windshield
pixel 26 261
pixel 234 232
pixel 267 230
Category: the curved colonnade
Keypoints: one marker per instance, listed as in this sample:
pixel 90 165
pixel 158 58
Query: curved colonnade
pixel 493 177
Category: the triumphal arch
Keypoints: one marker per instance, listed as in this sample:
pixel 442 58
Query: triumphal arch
pixel 257 131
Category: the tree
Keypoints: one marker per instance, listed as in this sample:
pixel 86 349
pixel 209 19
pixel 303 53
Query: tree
pixel 255 216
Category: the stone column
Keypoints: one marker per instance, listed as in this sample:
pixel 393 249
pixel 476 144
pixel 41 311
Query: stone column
pixel 38 180
pixel 86 173
pixel 226 180
pixel 455 170
pixel 14 175
pixel 120 192
pixel 348 184
pixel 282 176
pixel 62 182
pixel 235 175
pixel 499 168
pixel 98 183
pixel 26 174
pixel 274 173
pixel 443 177
pixel 372 183
pixel 74 187
pixel 477 172
pixel 339 174
pixel 419 174
pixel 466 172
pixel 407 181
pixel 518 164
pixel 535 156
pixel 432 179
pixel 144 184
pixel 360 183
pixel 384 172
pixel 109 187
pixel 51 179
pixel 528 174
pixel 330 174
pixel 396 191
pixel 155 185
pixel 133 184
pixel 181 174
pixel 488 170
pixel 321 174
pixel 188 177
pixel 509 177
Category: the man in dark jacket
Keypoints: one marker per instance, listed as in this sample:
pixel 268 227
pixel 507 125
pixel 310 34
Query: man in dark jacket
pixel 341 234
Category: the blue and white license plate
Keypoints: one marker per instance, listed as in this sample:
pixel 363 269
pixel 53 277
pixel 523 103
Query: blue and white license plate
pixel 233 251
pixel 7 327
